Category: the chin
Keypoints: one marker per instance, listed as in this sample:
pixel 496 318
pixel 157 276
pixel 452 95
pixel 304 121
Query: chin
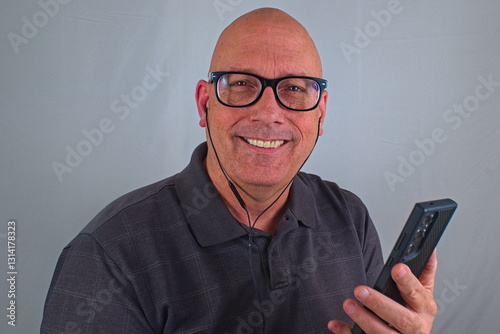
pixel 265 181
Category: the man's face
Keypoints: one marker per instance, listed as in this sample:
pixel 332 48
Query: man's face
pixel 264 144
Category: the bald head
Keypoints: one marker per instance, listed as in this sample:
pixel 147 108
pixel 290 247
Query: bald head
pixel 267 41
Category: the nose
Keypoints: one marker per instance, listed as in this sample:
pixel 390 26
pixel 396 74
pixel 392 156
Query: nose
pixel 268 109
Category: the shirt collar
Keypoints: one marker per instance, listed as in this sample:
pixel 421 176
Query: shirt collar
pixel 301 201
pixel 209 218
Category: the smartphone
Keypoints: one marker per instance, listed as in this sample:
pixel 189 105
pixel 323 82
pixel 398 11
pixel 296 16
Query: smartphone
pixel 415 244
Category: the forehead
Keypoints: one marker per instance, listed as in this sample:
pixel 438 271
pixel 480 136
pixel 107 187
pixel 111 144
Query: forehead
pixel 271 50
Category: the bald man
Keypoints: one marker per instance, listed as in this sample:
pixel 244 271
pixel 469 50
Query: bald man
pixel 240 241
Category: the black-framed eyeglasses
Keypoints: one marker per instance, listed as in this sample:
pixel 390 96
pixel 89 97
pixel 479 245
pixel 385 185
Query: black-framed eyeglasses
pixel 239 89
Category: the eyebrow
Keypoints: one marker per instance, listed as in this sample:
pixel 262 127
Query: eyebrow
pixel 252 71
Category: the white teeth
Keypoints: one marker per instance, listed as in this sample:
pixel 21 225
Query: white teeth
pixel 265 144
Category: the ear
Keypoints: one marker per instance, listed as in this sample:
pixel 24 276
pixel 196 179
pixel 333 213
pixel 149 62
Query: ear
pixel 322 110
pixel 202 89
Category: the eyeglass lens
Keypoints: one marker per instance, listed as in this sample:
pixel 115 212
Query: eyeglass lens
pixel 244 89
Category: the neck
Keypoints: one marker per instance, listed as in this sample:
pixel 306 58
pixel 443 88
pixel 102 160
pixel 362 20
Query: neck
pixel 265 204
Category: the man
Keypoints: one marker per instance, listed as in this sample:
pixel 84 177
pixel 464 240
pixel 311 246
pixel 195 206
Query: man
pixel 240 241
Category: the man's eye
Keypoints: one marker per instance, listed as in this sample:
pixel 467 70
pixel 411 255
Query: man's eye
pixel 238 83
pixel 294 89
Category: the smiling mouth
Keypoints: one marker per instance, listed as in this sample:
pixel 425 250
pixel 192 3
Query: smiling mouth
pixel 265 143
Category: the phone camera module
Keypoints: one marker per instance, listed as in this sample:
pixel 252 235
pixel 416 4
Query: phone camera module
pixel 420 233
pixel 410 249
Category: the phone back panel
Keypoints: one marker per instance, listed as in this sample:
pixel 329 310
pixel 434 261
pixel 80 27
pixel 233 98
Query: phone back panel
pixel 416 242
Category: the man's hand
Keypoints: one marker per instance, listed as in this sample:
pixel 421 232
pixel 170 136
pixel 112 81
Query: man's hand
pixel 417 317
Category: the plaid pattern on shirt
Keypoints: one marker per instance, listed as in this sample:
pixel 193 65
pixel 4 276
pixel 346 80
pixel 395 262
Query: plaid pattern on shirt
pixel 170 258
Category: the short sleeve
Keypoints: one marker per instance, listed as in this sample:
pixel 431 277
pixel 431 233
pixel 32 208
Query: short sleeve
pixel 368 237
pixel 90 294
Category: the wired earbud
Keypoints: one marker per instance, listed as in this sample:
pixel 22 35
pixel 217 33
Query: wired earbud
pixel 230 183
pixel 242 203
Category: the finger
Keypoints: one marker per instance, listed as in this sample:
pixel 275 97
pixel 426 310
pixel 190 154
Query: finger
pixel 367 320
pixel 378 304
pixel 398 316
pixel 429 274
pixel 339 327
pixel 417 297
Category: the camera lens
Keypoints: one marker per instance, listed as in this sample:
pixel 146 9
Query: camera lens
pixel 428 220
pixel 420 233
pixel 410 248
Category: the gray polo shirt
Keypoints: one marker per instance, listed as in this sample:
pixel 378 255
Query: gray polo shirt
pixel 170 258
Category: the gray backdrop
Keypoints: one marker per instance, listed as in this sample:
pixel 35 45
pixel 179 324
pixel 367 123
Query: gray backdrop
pixel 97 99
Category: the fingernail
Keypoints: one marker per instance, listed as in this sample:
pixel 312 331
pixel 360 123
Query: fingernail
pixel 350 308
pixel 401 273
pixel 334 328
pixel 362 294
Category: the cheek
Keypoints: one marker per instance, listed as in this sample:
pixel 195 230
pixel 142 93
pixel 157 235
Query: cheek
pixel 308 128
pixel 222 121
